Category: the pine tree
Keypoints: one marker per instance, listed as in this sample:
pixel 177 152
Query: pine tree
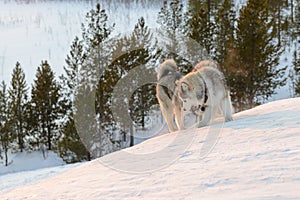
pixel 225 30
pixel 6 122
pixel 200 25
pixel 95 35
pixel 97 49
pixel 144 97
pixel 296 36
pixel 74 61
pixel 278 10
pixel 18 98
pixel 70 146
pixel 138 50
pixel 86 123
pixel 171 20
pixel 44 100
pixel 256 57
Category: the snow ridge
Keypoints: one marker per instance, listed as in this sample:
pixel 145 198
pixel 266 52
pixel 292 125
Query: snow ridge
pixel 256 156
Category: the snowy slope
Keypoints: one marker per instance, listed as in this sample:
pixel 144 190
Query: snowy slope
pixel 257 156
pixel 25 168
pixel 30 161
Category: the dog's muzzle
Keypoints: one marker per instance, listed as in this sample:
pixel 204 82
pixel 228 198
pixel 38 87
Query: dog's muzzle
pixel 195 109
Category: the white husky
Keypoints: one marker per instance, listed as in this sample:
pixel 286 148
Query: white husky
pixel 165 90
pixel 203 92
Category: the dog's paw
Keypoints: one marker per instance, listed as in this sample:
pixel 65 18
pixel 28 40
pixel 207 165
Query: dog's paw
pixel 201 124
pixel 228 119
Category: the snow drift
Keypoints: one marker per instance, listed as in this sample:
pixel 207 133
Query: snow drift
pixel 257 156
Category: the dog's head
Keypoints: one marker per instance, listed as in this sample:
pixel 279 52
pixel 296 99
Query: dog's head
pixel 192 96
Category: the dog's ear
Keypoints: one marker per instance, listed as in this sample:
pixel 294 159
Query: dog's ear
pixel 184 86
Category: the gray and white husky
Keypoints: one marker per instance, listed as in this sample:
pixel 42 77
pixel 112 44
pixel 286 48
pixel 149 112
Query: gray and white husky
pixel 165 89
pixel 203 92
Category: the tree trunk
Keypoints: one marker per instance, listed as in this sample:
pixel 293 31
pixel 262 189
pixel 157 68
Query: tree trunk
pixel 49 137
pixel 21 135
pixel 292 11
pixel 131 136
pixel 6 156
pixel 89 156
pixel 279 24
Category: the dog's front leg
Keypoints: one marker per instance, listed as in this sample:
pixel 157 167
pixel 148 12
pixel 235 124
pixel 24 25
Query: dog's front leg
pixel 206 117
pixel 179 117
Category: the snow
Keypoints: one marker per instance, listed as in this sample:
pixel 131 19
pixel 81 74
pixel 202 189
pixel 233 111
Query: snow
pixel 30 161
pixel 21 178
pixel 44 30
pixel 28 167
pixel 256 156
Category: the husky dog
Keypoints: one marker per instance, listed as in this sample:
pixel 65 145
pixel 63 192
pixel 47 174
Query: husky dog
pixel 203 92
pixel 206 63
pixel 165 90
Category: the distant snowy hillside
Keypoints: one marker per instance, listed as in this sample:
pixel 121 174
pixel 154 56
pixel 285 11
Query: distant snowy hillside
pixel 28 167
pixel 32 31
pixel 44 30
pixel 30 161
pixel 257 156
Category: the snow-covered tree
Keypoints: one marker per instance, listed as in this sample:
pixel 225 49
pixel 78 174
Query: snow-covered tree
pixel 44 102
pixel 224 34
pixel 296 39
pixel 172 34
pixel 199 22
pixel 144 97
pixel 98 49
pixel 18 99
pixel 255 73
pixel 70 147
pixel 6 122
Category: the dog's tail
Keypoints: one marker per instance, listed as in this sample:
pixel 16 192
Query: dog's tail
pixel 165 68
pixel 206 63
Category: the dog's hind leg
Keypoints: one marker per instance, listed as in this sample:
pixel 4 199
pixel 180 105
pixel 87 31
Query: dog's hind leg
pixel 168 115
pixel 226 107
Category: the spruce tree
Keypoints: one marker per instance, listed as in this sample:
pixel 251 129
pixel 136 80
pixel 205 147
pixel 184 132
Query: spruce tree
pixel 225 30
pixel 95 33
pixel 138 50
pixel 6 122
pixel 171 19
pixel 296 61
pixel 144 97
pixel 44 100
pixel 97 48
pixel 200 25
pixel 18 100
pixel 278 10
pixel 70 146
pixel 74 62
pixel 256 57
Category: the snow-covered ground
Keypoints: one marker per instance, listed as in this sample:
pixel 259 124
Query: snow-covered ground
pixel 29 161
pixel 256 156
pixel 44 30
pixel 27 167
